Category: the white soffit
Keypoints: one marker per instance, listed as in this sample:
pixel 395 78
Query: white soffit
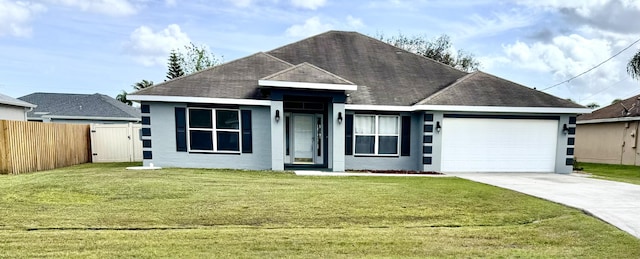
pixel 461 108
pixel 303 85
pixel 187 99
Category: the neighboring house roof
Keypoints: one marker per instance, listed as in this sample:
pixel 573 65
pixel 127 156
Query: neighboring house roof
pixel 15 102
pixel 625 110
pixel 79 106
pixel 383 74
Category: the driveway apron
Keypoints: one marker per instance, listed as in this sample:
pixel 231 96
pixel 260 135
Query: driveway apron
pixel 614 202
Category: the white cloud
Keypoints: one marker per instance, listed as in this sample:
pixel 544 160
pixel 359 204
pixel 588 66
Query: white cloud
pixel 170 2
pixel 109 7
pixel 315 25
pixel 241 3
pixel 568 56
pixel 152 48
pixel 354 22
pixel 613 15
pixel 311 26
pixel 308 4
pixel 496 23
pixel 15 17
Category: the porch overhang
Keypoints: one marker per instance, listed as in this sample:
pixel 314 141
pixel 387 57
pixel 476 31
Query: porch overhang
pixel 306 85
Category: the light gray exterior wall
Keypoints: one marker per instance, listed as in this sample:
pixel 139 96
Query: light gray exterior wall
pixel 163 142
pixel 277 135
pixel 15 113
pixel 412 162
pixel 436 155
pixel 562 155
pixel 268 143
pixel 561 146
pixel 337 161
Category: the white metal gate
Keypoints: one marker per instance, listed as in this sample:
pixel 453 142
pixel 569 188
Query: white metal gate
pixel 116 143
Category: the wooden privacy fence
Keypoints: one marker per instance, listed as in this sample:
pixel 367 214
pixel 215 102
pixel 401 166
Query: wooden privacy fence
pixel 34 146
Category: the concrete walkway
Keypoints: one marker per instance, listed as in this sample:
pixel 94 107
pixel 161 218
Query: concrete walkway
pixel 321 173
pixel 614 202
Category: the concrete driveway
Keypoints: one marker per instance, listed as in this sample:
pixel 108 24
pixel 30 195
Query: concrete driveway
pixel 614 202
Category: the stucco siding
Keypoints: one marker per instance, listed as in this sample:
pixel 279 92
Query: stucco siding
pixel 599 143
pixel 163 141
pixel 411 162
pixel 608 143
pixel 10 112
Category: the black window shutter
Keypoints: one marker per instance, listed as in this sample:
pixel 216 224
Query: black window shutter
pixel 181 129
pixel 348 134
pixel 247 140
pixel 405 137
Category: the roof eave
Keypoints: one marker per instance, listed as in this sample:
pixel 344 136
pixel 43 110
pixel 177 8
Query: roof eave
pixel 190 99
pixel 461 108
pixel 66 117
pixel 304 85
pixel 607 120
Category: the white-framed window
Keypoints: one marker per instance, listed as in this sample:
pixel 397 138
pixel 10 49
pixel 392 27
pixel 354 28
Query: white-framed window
pixel 213 130
pixel 376 135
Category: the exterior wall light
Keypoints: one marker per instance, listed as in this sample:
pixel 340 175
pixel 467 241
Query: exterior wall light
pixel 340 117
pixel 277 115
pixel 565 129
pixel 438 126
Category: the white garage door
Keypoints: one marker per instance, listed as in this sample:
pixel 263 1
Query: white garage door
pixel 498 145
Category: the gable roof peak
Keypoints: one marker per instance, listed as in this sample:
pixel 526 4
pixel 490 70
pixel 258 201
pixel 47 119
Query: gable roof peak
pixel 308 73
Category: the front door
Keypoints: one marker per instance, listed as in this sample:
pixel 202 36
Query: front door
pixel 304 139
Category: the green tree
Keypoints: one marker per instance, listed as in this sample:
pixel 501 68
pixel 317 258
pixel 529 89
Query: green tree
pixel 122 96
pixel 617 100
pixel 175 67
pixel 195 58
pixel 593 106
pixel 633 67
pixel 439 49
pixel 142 85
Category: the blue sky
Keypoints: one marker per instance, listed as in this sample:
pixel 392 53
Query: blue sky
pixel 104 46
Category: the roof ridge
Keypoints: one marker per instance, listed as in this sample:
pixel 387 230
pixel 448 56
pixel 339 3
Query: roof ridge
pixel 301 40
pixel 325 71
pixel 117 105
pixel 421 56
pixel 458 81
pixel 521 85
pixel 274 57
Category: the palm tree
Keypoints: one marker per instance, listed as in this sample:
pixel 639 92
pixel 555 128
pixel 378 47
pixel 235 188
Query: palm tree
pixel 633 68
pixel 123 98
pixel 142 85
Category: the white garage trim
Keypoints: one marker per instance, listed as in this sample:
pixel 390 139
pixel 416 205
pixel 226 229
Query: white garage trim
pixel 498 145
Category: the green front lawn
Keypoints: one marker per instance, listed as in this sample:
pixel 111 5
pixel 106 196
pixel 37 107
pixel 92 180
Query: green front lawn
pixel 105 211
pixel 621 173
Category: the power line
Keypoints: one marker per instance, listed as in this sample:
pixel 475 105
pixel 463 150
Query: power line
pixel 607 88
pixel 590 69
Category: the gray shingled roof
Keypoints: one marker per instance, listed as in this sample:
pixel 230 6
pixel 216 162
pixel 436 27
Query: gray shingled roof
pixel 627 108
pixel 79 105
pixel 236 79
pixel 392 76
pixel 482 89
pixel 307 73
pixel 4 99
pixel 384 74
